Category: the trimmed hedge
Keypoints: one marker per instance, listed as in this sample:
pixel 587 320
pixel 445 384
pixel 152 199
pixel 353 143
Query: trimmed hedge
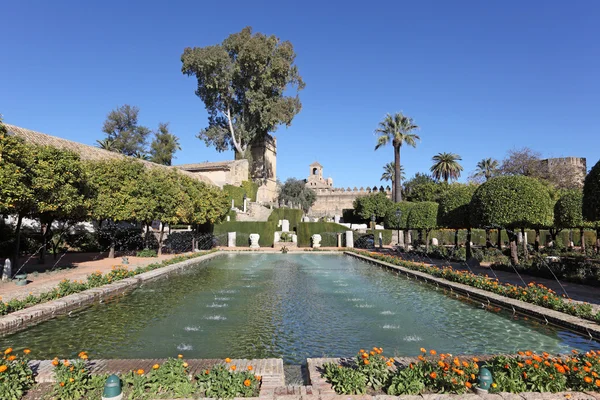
pixel 307 229
pixel 237 192
pixel 291 214
pixel 266 230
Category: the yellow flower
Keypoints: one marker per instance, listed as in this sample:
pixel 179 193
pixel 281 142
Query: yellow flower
pixel 26 351
pixel 228 360
pixel 180 356
pixel 71 380
pixel 155 366
pixel 8 351
pixel 3 368
pixel 185 365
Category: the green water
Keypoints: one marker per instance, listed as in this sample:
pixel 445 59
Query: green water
pixel 289 306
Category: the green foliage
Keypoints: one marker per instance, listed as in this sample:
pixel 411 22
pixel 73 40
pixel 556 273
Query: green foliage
pixel 266 230
pixel 295 191
pixel 243 82
pixel 445 166
pixel 423 215
pixel 73 379
pixel 146 253
pixel 454 206
pixel 291 214
pixel 236 193
pixel 164 145
pixel 16 376
pixel 568 210
pixel 423 187
pixel 124 133
pixel 512 202
pixel 327 231
pixel 591 195
pixel 170 378
pixel 393 222
pixel 348 381
pixel 373 204
pixel 222 382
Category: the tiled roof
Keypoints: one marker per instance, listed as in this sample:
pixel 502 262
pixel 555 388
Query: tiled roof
pixel 86 152
pixel 224 165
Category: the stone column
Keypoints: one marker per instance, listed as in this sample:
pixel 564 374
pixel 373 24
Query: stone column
pixel 350 239
pixel 232 204
pixel 6 270
pixel 245 201
pixel 285 225
pixel 339 239
pixel 231 237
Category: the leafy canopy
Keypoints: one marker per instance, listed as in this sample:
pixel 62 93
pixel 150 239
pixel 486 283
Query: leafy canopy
pixel 423 215
pixel 124 135
pixel 373 204
pixel 392 221
pixel 242 83
pixel 423 187
pixel 295 191
pixel 568 211
pixel 512 202
pixel 445 166
pixel 591 195
pixel 454 210
pixel 164 145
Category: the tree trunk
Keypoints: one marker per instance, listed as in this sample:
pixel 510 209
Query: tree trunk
pixel 44 230
pixel 525 250
pixel 397 182
pixel 499 243
pixel 111 252
pixel 537 240
pixel 147 236
pixel 598 240
pixel 582 238
pixel 393 190
pixel 15 263
pixel 468 244
pixel 406 241
pixel 427 240
pixel 456 238
pixel 420 236
pixel 488 238
pixel 160 239
pixel 514 253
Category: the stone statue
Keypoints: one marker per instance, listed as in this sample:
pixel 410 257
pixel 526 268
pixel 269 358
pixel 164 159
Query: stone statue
pixel 316 241
pixel 254 237
pixel 7 270
pixel 231 238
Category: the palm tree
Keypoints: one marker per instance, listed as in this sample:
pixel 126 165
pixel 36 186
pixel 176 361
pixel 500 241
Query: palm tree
pixel 445 166
pixel 397 129
pixel 388 175
pixel 106 144
pixel 141 156
pixel 486 168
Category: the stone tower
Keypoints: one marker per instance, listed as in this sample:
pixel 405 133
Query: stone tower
pixel 264 169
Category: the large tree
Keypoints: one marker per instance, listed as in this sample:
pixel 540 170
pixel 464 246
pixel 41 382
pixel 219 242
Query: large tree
pixel 376 204
pixel 397 129
pixel 423 187
pixel 591 200
pixel 295 192
pixel 164 145
pixel 243 83
pixel 122 129
pixel 389 171
pixel 446 166
pixel 512 203
pixel 522 161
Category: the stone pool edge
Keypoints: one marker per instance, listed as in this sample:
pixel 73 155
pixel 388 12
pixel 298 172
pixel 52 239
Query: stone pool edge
pixel 30 316
pixel 557 318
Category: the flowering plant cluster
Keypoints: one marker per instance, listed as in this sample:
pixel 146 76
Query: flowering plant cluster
pixel 533 293
pixel 16 377
pixel 67 287
pixel 223 381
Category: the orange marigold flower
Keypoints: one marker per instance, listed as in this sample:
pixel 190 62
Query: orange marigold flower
pixel 521 365
pixel 589 364
pixel 3 368
pixel 366 362
pixel 574 351
pixel 587 379
pixel 432 352
pixel 546 355
pixel 525 375
pixel 179 355
pixel 521 353
pixel 247 382
pixel 140 372
pixel 155 366
pixel 537 358
pixel 62 384
pixel 528 362
pixel 228 360
pixel 185 365
pixel 8 351
pixel 26 351
pixel 258 377
pixel 472 376
pixel 411 366
pixel 12 358
pixel 506 366
pixel 465 364
pixel 423 350
pixel 421 358
pixel 365 355
pixel 206 372
pixel 233 367
pixel 55 362
pixel 441 364
pixel 528 353
pixel 66 362
pixel 433 375
pixel 361 351
pixel 597 382
pixel 250 368
pixel 391 360
pixel 475 359
pixel 456 361
pixel 372 352
pixel 586 369
pixel 72 368
pixel 468 384
pixel 389 364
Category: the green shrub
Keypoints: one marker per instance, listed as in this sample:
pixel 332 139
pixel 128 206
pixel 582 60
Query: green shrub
pixel 146 253
pixel 236 193
pixel 327 231
pixel 591 195
pixel 291 214
pixel 266 230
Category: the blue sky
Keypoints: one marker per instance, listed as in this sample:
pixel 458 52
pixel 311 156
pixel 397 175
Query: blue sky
pixel 478 77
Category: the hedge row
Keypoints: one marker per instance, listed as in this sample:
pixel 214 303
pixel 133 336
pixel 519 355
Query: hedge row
pixel 327 230
pixel 446 236
pixel 266 230
pixel 292 215
pixel 236 193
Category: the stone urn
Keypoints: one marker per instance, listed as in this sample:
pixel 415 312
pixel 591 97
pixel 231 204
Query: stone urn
pixel 316 241
pixel 254 241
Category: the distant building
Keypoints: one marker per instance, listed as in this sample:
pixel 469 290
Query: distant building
pixel 564 171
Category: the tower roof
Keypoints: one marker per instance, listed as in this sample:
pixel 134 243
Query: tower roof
pixel 316 164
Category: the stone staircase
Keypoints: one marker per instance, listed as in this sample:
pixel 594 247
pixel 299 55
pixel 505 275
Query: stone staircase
pixel 255 212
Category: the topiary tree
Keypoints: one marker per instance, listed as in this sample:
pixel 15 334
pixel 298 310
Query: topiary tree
pixel 512 202
pixel 391 221
pixel 568 213
pixel 454 211
pixel 373 204
pixel 423 217
pixel 591 200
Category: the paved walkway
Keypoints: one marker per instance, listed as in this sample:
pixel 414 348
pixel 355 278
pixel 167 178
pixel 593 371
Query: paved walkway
pixel 79 267
pixel 575 291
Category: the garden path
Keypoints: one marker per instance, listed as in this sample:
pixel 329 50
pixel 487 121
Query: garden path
pixel 73 267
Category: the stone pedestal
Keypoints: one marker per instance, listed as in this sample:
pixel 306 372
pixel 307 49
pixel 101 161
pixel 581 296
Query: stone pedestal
pixel 434 241
pixel 316 241
pixel 339 239
pixel 350 239
pixel 231 237
pixel 228 218
pixel 337 218
pixel 254 237
pixel 6 270
pixel 277 237
pixel 294 238
pixel 285 225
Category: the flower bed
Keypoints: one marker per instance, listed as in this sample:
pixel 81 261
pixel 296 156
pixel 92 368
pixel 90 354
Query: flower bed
pixel 444 373
pixel 171 379
pixel 534 294
pixel 96 279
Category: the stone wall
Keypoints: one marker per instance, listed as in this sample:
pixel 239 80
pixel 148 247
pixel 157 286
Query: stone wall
pixel 264 169
pixel 332 202
pixel 221 173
